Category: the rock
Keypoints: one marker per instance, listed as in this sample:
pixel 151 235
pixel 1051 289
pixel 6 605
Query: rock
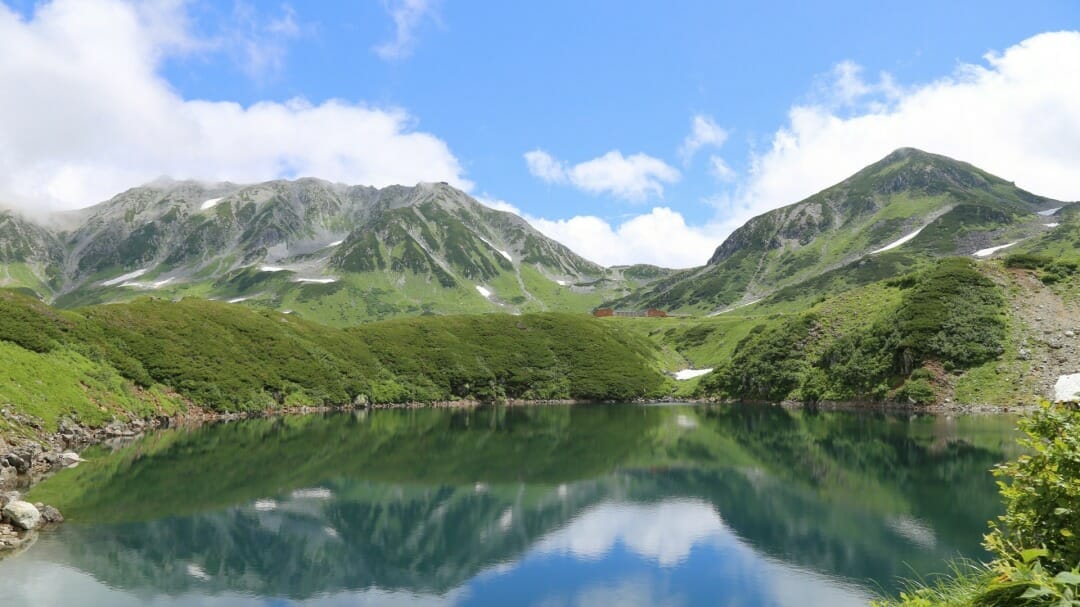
pixel 51 515
pixel 1070 334
pixel 1024 354
pixel 15 461
pixel 7 474
pixel 22 514
pixel 70 458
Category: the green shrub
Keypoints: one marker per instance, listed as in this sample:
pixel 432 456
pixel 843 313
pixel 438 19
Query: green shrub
pixel 1042 489
pixel 1058 270
pixel 917 390
pixel 1027 261
pixel 1035 543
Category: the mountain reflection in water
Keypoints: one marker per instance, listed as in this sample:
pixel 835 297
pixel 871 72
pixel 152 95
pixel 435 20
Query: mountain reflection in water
pixel 618 504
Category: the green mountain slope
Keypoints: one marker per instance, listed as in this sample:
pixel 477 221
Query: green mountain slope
pixel 330 252
pixel 151 356
pixel 907 208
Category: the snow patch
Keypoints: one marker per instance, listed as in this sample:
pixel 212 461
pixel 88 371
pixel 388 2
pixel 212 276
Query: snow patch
pixel 1049 212
pixel 271 269
pixel 561 283
pixel 1067 387
pixel 992 250
pixel 160 283
pixel 209 203
pixel 1051 225
pixel 691 373
pixel 321 281
pixel 335 243
pixel 897 242
pixel 125 277
pixel 497 249
pixel 237 300
pixel 483 291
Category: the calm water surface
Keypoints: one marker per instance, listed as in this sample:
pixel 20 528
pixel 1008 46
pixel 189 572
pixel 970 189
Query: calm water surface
pixel 612 505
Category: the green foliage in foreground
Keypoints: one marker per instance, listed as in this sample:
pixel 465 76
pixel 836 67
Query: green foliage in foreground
pixel 949 315
pixel 231 358
pixel 1036 545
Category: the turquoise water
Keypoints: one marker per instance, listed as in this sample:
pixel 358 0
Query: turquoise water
pixel 598 505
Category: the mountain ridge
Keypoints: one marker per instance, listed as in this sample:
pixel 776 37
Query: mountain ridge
pixel 926 204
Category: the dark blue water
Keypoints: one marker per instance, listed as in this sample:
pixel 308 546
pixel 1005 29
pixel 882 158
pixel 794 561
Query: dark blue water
pixel 613 505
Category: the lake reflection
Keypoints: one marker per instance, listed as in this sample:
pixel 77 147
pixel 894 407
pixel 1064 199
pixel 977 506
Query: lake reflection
pixel 613 505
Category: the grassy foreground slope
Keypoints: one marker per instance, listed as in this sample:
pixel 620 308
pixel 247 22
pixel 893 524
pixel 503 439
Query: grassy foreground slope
pixel 153 356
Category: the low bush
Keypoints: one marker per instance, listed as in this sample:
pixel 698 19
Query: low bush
pixel 1035 543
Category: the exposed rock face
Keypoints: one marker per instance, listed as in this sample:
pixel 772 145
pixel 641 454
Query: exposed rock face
pixel 22 514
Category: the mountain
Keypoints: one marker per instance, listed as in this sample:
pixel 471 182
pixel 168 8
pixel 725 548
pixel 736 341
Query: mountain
pixel 909 206
pixel 31 256
pixel 328 251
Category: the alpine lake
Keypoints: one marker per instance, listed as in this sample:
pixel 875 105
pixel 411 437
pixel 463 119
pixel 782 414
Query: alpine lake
pixel 607 505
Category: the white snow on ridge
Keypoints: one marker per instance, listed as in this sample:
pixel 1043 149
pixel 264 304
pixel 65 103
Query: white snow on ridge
pixel 237 300
pixel 561 283
pixel 321 281
pixel 125 277
pixel 1067 387
pixel 1049 212
pixel 271 269
pixel 1051 225
pixel 691 373
pixel 897 242
pixel 992 250
pixel 335 243
pixel 146 285
pixel 209 203
pixel 497 249
pixel 483 291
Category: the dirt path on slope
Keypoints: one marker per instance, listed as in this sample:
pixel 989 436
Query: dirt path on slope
pixel 1048 334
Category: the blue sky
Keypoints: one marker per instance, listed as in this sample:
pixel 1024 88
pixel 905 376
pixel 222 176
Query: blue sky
pixel 623 82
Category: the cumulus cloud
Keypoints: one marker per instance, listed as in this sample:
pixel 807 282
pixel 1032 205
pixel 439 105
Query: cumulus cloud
pixel 661 237
pixel 85 113
pixel 407 16
pixel 704 132
pixel 635 178
pixel 1015 115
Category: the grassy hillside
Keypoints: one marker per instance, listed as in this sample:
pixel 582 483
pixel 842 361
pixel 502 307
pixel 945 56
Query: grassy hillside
pixel 908 208
pixel 152 356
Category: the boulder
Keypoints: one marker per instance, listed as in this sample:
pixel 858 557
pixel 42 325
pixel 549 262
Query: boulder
pixel 22 514
pixel 70 458
pixel 51 515
pixel 21 465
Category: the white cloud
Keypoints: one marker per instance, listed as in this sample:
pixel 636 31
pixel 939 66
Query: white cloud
pixel 704 132
pixel 664 532
pixel 720 169
pixel 659 237
pixel 407 16
pixel 636 177
pixel 85 113
pixel 546 167
pixel 1015 115
pixel 259 45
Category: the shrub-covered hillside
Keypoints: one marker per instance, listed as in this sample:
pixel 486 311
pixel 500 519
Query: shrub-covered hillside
pixel 152 355
pixel 947 318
